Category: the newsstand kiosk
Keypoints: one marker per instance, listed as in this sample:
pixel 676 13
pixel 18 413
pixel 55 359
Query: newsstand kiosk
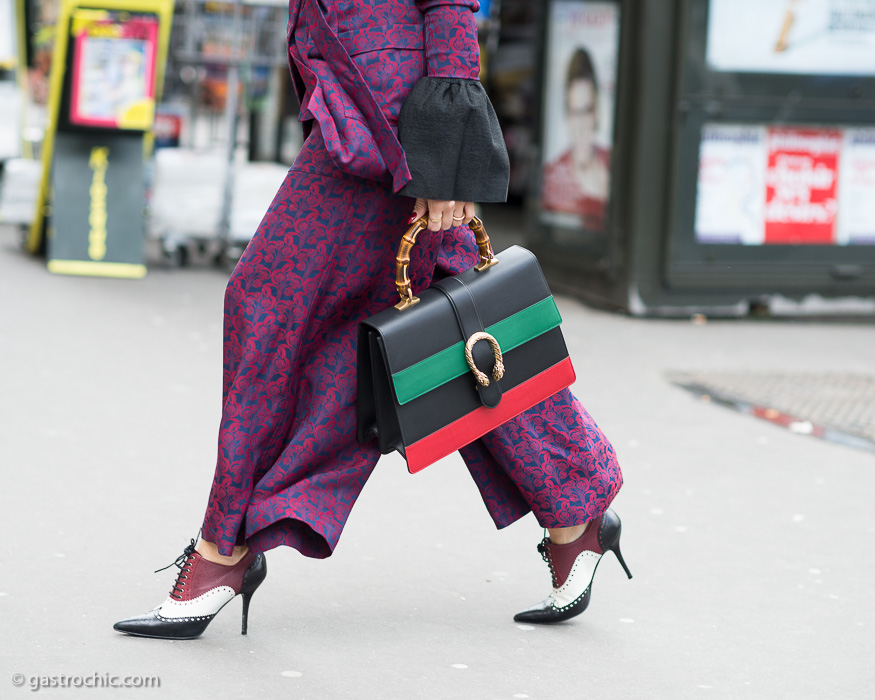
pixel 106 77
pixel 707 155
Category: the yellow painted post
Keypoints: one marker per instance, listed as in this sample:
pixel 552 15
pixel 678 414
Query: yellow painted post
pixel 21 74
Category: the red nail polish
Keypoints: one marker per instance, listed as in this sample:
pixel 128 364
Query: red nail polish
pixel 412 218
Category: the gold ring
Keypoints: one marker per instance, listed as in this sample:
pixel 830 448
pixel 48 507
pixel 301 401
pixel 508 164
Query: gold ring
pixel 435 221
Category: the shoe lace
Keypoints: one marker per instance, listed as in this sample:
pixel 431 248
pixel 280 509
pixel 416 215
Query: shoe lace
pixel 545 555
pixel 542 549
pixel 183 562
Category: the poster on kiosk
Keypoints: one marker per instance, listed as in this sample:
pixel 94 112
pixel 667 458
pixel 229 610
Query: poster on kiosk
pixel 112 82
pixel 792 37
pixel 580 78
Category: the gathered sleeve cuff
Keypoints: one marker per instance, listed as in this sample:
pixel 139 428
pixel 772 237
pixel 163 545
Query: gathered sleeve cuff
pixel 453 143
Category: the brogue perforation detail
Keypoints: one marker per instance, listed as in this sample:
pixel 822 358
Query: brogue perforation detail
pixel 574 568
pixel 563 608
pixel 184 619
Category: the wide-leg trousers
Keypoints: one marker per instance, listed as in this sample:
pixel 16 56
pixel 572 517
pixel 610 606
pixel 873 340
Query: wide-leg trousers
pixel 289 466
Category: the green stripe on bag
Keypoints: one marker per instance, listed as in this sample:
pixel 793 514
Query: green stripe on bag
pixel 442 367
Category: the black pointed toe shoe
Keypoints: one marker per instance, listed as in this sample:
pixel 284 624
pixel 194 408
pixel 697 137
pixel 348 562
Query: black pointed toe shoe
pixel 201 590
pixel 573 567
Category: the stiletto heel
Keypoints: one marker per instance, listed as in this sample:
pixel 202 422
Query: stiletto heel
pixel 201 590
pixel 252 579
pixel 616 550
pixel 573 567
pixel 246 598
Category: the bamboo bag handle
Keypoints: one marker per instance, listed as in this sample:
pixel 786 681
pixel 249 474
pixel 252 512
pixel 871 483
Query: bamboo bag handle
pixel 402 260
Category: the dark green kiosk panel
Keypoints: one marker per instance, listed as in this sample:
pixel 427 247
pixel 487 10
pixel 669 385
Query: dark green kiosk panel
pixel 97 188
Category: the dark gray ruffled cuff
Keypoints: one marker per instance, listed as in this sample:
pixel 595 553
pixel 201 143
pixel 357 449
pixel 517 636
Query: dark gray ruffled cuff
pixel 453 143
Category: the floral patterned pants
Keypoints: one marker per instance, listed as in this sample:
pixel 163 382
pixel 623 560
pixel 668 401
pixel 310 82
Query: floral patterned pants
pixel 289 466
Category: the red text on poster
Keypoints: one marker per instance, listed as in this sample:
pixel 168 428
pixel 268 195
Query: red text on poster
pixel 801 191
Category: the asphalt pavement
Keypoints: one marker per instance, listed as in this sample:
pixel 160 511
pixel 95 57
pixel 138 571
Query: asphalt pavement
pixel 751 546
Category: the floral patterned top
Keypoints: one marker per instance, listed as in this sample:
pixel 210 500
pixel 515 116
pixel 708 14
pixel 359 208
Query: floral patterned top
pixel 394 87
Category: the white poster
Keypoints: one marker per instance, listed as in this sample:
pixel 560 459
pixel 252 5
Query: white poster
pixel 8 54
pixel 730 198
pixel 856 222
pixel 579 99
pixel 807 37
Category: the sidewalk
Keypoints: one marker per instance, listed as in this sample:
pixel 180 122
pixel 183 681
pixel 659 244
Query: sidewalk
pixel 751 546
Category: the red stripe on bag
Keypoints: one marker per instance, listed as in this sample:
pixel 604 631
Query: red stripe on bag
pixel 480 421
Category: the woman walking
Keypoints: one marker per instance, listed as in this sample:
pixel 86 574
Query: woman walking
pixel 395 120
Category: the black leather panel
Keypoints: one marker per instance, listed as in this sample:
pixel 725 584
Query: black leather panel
pixel 545 612
pixel 513 284
pixel 465 308
pixel 389 431
pixel 484 360
pixel 366 408
pixel 152 625
pixel 431 412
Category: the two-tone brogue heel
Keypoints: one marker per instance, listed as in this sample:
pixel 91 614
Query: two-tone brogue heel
pixel 201 590
pixel 573 567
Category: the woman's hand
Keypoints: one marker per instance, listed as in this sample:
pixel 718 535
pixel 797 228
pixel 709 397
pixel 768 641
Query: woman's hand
pixel 442 216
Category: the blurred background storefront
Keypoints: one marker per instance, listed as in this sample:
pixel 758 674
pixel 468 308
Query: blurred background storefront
pixel 707 155
pixel 667 156
pixel 220 138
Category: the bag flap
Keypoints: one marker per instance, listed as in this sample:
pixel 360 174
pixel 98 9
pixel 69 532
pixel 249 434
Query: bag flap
pixel 424 345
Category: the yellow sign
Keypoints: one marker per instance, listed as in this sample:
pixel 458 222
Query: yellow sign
pixel 98 162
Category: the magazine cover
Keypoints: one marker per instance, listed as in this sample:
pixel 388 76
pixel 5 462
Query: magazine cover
pixel 857 187
pixel 729 201
pixel 579 97
pixel 113 75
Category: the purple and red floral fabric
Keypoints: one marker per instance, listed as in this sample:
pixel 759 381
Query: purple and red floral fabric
pixel 355 62
pixel 289 467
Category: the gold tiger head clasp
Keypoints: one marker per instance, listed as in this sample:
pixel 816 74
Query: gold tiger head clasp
pixel 497 370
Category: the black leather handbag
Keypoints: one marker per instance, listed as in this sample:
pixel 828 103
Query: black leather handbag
pixel 437 371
